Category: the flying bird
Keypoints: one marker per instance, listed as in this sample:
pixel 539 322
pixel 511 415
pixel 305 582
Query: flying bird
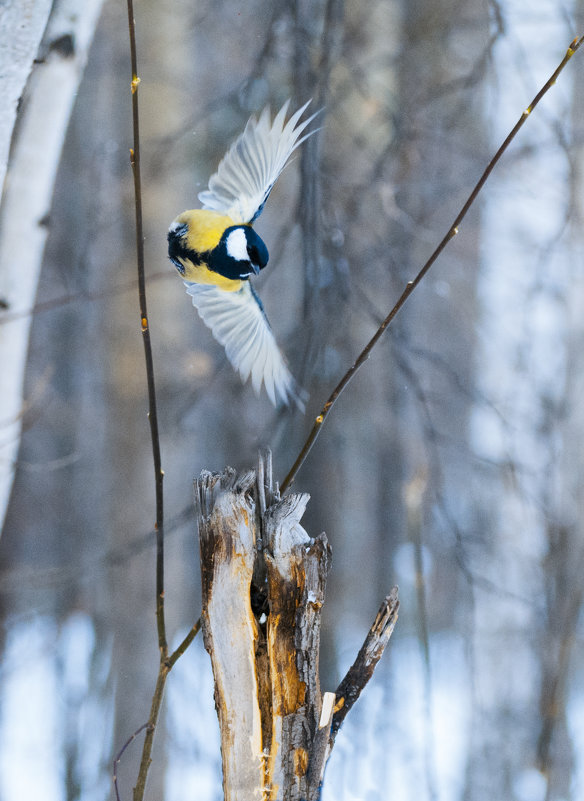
pixel 216 250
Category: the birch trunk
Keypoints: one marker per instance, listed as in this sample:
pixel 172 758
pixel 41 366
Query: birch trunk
pixel 43 118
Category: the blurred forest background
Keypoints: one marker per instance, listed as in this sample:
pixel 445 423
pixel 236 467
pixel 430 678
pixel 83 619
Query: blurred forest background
pixel 452 465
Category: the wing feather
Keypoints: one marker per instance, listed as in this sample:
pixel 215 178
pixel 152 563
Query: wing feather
pixel 239 324
pixel 251 166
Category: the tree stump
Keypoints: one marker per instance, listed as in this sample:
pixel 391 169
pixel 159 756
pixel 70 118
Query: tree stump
pixel 263 585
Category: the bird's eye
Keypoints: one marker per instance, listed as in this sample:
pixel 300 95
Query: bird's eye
pixel 178 264
pixel 253 254
pixel 177 230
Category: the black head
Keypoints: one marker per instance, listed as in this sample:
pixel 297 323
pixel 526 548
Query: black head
pixel 239 254
pixel 176 245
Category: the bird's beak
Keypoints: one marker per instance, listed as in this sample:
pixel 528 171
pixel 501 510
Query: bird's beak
pixel 255 268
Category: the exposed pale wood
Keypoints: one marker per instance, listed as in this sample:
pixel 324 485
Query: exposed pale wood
pixel 227 541
pixel 321 747
pixel 264 584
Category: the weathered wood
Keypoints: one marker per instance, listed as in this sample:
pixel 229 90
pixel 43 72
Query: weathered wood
pixel 362 668
pixel 227 533
pixel 264 582
pixel 297 568
pixel 321 747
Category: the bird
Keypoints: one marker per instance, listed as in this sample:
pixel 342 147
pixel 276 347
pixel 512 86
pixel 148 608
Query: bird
pixel 216 250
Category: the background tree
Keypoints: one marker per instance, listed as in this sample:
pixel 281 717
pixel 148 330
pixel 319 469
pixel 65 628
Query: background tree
pixel 451 466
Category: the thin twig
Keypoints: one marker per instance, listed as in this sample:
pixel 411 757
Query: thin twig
pixel 155 706
pixel 119 755
pixel 166 662
pixel 411 285
pixel 164 668
pixel 152 414
pixel 176 654
pixel 40 307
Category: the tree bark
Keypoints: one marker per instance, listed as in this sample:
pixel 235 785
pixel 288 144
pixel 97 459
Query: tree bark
pixel 43 118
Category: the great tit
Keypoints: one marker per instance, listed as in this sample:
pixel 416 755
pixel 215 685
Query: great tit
pixel 216 250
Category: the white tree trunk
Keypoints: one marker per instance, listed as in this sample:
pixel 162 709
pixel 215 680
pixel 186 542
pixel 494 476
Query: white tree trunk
pixel 22 23
pixel 43 116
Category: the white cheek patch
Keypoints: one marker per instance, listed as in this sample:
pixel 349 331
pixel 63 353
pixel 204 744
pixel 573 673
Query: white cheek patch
pixel 236 245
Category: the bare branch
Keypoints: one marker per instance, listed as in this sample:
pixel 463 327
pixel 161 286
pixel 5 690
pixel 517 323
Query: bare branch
pixel 165 662
pixel 119 755
pixel 411 285
pixel 152 413
pixel 362 668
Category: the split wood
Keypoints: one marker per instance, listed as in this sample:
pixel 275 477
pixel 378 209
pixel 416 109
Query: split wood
pixel 263 583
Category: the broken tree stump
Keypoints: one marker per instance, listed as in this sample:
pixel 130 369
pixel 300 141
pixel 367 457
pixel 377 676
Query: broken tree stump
pixel 263 586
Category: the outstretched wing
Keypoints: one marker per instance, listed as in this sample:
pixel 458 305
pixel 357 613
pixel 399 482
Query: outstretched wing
pixel 251 166
pixel 238 322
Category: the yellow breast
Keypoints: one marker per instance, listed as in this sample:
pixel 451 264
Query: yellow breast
pixel 205 229
pixel 200 274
